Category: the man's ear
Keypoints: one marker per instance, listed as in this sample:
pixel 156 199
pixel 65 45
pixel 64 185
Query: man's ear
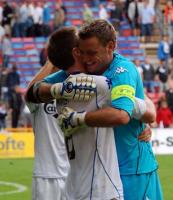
pixel 76 53
pixel 111 46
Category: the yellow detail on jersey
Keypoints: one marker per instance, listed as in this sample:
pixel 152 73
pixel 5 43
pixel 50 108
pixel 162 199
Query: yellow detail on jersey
pixel 123 91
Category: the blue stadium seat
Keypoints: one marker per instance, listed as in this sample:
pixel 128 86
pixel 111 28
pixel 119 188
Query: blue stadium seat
pixel 40 39
pixel 39 45
pixel 69 3
pixel 19 52
pixel 95 9
pixel 27 73
pixel 32 52
pixel 132 38
pixel 23 85
pixel 22 59
pixel 35 65
pixel 28 78
pixel 24 66
pixel 124 27
pixel 34 59
pixel 13 60
pixel 17 45
pixel 120 39
pixel 138 51
pixel 74 16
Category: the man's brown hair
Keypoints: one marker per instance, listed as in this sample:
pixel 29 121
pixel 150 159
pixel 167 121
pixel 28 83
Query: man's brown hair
pixel 100 29
pixel 60 46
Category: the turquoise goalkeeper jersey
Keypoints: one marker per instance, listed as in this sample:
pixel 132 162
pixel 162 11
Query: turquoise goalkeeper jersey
pixel 134 157
pixel 56 77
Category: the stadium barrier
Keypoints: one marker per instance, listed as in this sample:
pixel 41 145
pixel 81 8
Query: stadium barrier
pixel 162 141
pixel 19 143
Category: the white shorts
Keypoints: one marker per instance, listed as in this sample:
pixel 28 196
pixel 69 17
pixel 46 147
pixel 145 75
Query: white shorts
pixel 48 189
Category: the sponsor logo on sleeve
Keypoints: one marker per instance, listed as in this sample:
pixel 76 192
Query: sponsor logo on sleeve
pixel 120 70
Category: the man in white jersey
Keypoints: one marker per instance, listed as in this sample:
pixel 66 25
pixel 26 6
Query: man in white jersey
pixel 51 164
pixel 94 170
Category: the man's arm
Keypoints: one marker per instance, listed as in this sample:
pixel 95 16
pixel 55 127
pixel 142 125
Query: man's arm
pixel 146 134
pixel 150 114
pixel 44 92
pixel 47 69
pixel 144 110
pixel 106 117
pixel 70 120
pixel 110 117
pixel 61 86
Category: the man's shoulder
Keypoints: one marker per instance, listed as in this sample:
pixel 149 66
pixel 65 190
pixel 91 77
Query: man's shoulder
pixel 122 60
pixel 122 64
pixel 56 77
pixel 33 108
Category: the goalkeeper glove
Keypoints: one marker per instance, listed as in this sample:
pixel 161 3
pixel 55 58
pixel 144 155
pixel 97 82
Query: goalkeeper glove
pixel 139 108
pixel 78 88
pixel 70 121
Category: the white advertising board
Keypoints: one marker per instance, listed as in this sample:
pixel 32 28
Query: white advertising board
pixel 162 140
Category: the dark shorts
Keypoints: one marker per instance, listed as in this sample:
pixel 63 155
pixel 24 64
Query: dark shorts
pixel 134 24
pixel 146 29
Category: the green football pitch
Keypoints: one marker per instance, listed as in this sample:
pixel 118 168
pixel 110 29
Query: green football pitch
pixel 19 171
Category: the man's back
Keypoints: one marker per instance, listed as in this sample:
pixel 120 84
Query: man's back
pixel 94 167
pixel 50 154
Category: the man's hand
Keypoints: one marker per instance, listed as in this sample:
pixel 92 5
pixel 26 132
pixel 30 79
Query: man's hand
pixel 144 110
pixel 145 136
pixel 70 121
pixel 139 108
pixel 78 88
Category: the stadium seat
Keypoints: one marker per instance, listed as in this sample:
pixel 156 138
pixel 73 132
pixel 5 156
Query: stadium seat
pixel 16 39
pixel 28 40
pixel 29 46
pixel 17 45
pixel 34 59
pixel 40 39
pixel 32 52
pixel 22 59
pixel 69 3
pixel 39 46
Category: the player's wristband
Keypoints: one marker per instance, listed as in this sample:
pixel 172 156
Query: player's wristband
pixel 78 118
pixel 55 90
pixel 139 108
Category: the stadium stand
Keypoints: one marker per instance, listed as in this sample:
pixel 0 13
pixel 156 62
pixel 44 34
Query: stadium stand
pixel 26 54
pixel 26 51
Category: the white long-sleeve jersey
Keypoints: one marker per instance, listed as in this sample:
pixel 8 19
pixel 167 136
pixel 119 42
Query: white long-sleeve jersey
pixel 51 159
pixel 92 153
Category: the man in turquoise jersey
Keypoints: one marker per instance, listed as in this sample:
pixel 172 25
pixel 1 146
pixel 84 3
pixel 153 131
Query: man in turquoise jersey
pixel 138 166
pixel 121 117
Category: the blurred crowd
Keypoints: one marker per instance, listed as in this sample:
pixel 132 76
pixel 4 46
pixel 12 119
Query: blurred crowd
pixel 34 18
pixel 13 111
pixel 30 18
pixel 158 84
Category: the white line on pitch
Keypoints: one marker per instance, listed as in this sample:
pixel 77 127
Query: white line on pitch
pixel 18 188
